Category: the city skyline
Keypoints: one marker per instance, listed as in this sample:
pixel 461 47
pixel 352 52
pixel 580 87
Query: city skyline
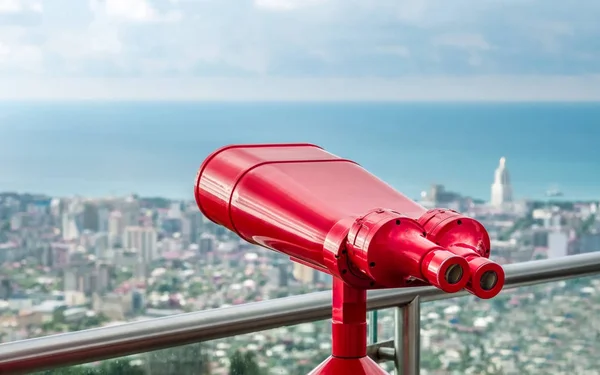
pixel 69 264
pixel 496 198
pixel 501 192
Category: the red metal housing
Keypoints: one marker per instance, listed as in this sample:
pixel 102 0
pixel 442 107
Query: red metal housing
pixel 326 212
pixel 331 214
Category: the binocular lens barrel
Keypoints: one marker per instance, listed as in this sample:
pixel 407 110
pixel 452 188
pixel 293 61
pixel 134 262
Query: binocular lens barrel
pixel 488 280
pixel 454 274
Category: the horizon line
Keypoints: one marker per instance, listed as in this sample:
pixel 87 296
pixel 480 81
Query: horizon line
pixel 301 101
pixel 191 199
pixel 507 88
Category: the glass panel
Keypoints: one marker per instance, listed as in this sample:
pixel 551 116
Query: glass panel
pixel 293 350
pixel 121 366
pixel 373 327
pixel 385 324
pixel 551 328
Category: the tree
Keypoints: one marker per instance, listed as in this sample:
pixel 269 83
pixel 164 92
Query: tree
pixel 189 359
pixel 243 364
pixel 88 322
pixel 111 367
pixel 119 367
pixel 74 370
pixel 121 275
pixel 195 289
pixel 430 360
pixel 58 315
pixel 586 225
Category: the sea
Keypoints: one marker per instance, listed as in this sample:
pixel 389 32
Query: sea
pixel 155 148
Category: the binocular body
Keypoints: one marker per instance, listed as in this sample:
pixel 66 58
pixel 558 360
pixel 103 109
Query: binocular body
pixel 331 214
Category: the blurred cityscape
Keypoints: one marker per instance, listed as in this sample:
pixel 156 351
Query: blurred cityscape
pixel 74 263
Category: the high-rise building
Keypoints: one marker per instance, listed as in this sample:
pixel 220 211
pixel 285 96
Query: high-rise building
pixel 130 210
pixel 142 239
pixel 558 244
pixel 115 228
pixel 18 221
pixel 191 227
pixel 90 216
pixel 283 269
pixel 60 254
pixel 103 216
pixel 175 211
pixel 304 274
pixel 104 277
pixel 70 226
pixel 207 243
pixel 73 279
pixel 589 242
pixel 56 207
pixel 501 188
pixel 100 244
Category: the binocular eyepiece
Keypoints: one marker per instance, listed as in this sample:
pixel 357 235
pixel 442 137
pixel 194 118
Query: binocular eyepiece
pixel 467 238
pixel 332 215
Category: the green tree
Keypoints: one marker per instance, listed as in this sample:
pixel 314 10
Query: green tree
pixel 111 367
pixel 88 322
pixel 58 315
pixel 189 360
pixel 243 364
pixel 523 223
pixel 195 289
pixel 121 275
pixel 74 370
pixel 119 367
pixel 430 360
pixel 586 225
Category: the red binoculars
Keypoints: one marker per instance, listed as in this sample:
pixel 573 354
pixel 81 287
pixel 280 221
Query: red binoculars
pixel 331 214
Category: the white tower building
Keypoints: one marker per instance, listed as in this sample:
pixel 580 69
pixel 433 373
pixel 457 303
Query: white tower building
pixel 501 189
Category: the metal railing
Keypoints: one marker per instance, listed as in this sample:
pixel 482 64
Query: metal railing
pixel 131 338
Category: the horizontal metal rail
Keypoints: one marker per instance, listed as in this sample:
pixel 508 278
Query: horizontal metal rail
pixel 136 337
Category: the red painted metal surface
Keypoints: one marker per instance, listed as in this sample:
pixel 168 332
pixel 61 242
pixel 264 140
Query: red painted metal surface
pixel 348 319
pixel 344 366
pixel 466 237
pixel 331 214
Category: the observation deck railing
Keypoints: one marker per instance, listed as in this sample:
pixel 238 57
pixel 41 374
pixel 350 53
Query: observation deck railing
pixel 130 338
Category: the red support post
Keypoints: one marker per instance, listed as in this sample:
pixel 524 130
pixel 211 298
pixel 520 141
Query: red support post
pixel 348 334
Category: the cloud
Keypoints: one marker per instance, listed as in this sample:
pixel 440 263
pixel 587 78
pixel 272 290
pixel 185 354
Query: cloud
pixel 395 50
pixel 20 6
pixel 133 11
pixel 472 44
pixel 136 10
pixel 22 57
pixel 300 39
pixel 20 12
pixel 10 6
pixel 284 5
pixel 467 42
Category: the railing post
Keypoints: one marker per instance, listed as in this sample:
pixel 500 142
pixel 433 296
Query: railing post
pixel 407 338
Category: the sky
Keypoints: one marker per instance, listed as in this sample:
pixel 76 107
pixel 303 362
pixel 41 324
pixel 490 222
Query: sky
pixel 300 49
